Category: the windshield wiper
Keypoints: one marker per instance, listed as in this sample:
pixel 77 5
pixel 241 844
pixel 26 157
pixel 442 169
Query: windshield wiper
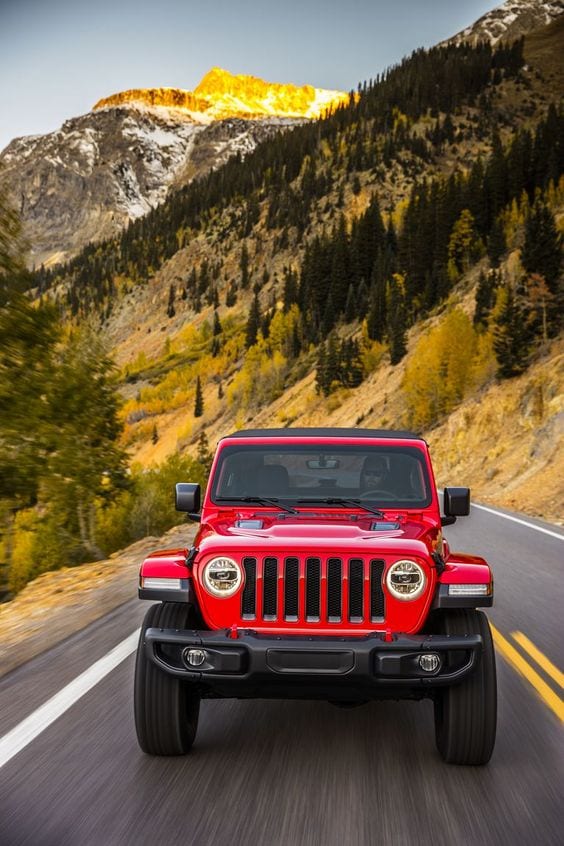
pixel 353 503
pixel 261 500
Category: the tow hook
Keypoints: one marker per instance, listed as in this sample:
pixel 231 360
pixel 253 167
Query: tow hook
pixel 233 632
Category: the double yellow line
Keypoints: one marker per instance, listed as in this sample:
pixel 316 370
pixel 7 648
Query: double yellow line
pixel 554 702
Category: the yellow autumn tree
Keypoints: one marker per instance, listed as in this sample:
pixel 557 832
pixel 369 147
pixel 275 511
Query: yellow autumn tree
pixel 442 368
pixel 465 245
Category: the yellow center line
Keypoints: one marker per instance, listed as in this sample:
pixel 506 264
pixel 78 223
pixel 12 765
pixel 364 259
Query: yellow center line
pixel 543 662
pixel 518 662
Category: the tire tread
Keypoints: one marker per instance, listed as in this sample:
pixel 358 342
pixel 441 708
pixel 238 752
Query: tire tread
pixel 466 714
pixel 166 708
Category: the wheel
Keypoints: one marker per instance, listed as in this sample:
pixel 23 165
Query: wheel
pixel 166 707
pixel 377 494
pixel 466 713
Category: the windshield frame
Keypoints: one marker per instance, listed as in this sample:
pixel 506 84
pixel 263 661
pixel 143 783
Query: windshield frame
pixel 414 448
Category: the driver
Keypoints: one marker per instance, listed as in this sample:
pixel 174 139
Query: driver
pixel 374 473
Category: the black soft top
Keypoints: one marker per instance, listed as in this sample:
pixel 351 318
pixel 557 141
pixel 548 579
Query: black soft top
pixel 324 433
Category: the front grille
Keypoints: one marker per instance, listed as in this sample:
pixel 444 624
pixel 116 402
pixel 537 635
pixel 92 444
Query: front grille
pixel 313 590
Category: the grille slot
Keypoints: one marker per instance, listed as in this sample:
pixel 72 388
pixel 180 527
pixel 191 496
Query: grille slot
pixel 248 602
pixel 355 590
pixel 334 588
pixel 313 589
pixel 376 591
pixel 270 588
pixel 291 575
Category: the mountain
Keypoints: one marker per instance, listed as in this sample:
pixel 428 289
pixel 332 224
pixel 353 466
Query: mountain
pixel 510 21
pixel 221 94
pixel 99 171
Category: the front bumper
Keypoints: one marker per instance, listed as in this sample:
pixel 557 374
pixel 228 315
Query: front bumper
pixel 368 667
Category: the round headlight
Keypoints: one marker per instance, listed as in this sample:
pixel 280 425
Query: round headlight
pixel 222 577
pixel 406 580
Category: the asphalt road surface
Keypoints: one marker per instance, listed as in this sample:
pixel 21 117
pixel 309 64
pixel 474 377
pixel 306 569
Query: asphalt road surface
pixel 277 772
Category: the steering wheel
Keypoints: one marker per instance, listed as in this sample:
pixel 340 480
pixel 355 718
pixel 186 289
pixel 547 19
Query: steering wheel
pixel 378 494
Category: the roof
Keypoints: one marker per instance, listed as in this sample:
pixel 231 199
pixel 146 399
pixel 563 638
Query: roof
pixel 325 433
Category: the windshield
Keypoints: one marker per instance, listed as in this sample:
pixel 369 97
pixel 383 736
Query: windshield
pixel 392 476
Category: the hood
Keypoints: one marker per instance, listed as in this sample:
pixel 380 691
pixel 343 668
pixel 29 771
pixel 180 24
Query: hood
pixel 364 535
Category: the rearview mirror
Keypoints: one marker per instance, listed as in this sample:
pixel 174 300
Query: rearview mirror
pixel 188 497
pixel 323 463
pixel 456 502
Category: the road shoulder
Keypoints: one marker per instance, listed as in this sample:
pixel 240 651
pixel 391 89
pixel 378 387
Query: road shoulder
pixel 58 604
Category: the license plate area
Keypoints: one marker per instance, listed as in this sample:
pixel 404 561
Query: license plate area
pixel 310 662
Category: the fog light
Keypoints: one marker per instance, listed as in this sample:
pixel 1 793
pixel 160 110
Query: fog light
pixel 429 662
pixel 194 657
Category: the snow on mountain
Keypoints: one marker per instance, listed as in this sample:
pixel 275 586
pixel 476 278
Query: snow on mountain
pixel 510 21
pixel 88 179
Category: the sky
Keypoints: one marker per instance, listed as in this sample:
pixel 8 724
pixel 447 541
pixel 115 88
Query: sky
pixel 58 57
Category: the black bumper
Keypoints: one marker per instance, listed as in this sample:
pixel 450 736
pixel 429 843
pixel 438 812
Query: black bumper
pixel 368 667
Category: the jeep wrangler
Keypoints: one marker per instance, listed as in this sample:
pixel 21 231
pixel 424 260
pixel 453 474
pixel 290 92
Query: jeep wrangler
pixel 319 571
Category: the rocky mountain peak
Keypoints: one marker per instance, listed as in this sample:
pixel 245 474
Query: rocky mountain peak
pixel 510 21
pixel 170 98
pixel 221 94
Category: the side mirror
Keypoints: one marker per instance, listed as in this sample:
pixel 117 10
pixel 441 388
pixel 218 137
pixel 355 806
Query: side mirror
pixel 188 499
pixel 456 503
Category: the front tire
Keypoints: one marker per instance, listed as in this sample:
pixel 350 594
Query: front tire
pixel 466 714
pixel 166 708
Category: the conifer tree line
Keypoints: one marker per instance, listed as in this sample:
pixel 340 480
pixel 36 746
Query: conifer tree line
pixel 392 279
pixel 360 136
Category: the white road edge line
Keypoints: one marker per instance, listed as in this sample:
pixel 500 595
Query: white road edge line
pixel 19 737
pixel 518 520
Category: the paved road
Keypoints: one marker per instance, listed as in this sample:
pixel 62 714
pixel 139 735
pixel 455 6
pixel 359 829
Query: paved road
pixel 266 772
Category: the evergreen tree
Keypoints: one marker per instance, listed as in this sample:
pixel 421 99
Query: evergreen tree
pixel 511 335
pixel 350 305
pixel 321 380
pixel 290 295
pixel 397 320
pixel 170 310
pixel 377 311
pixel 231 295
pixel 542 250
pixel 198 399
pixel 351 365
pixel 333 373
pixel 485 297
pixel 244 266
pixel 253 323
pixel 496 243
pixel 339 279
pixel 155 434
pixel 217 328
pixel 203 454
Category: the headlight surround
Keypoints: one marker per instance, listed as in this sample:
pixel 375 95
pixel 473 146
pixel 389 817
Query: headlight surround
pixel 406 580
pixel 222 577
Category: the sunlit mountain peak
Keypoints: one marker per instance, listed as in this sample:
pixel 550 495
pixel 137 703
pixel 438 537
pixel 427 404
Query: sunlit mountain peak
pixel 221 94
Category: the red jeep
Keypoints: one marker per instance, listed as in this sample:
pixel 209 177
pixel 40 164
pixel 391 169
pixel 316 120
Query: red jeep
pixel 319 571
